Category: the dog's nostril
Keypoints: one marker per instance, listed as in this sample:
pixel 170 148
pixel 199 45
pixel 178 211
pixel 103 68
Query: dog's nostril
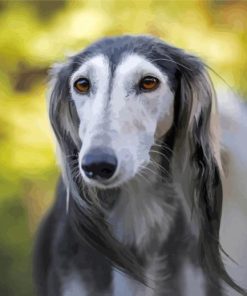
pixel 99 163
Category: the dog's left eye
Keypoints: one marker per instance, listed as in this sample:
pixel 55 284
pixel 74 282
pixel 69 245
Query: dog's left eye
pixel 149 83
pixel 82 85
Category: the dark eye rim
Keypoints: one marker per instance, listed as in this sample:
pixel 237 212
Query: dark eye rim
pixel 152 89
pixel 77 80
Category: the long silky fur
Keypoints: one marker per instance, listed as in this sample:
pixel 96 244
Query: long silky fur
pixel 191 130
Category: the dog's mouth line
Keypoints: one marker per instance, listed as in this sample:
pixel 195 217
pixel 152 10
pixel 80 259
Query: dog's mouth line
pixel 115 182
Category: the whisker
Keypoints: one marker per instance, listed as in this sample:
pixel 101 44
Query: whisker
pixel 163 145
pixel 150 170
pixel 160 153
pixel 158 166
pixel 141 174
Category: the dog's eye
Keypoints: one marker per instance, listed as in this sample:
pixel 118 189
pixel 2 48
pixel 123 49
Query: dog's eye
pixel 149 83
pixel 82 85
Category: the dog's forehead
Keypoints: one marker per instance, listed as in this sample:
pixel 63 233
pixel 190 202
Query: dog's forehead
pixel 136 64
pixel 115 48
pixel 129 64
pixel 96 65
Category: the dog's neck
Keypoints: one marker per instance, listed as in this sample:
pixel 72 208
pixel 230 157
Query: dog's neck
pixel 143 212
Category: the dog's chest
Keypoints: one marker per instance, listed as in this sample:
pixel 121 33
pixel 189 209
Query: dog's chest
pixel 78 284
pixel 189 282
pixel 190 278
pixel 122 285
pixel 74 286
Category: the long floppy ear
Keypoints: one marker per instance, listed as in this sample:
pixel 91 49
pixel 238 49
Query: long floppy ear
pixel 62 112
pixel 63 117
pixel 199 156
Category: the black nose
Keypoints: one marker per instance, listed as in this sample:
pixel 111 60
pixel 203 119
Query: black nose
pixel 99 163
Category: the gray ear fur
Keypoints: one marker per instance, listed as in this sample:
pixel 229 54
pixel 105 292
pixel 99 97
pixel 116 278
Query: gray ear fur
pixel 199 161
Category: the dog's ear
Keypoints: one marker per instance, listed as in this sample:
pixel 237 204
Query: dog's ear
pixel 62 111
pixel 197 145
pixel 63 118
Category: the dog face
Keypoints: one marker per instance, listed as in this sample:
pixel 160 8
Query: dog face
pixel 121 111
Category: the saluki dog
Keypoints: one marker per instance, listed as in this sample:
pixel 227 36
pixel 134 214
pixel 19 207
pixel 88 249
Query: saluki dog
pixel 147 154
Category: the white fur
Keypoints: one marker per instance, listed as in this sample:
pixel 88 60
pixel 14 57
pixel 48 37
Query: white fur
pixel 73 286
pixel 114 115
pixel 122 285
pixel 233 115
pixel 91 107
pixel 193 281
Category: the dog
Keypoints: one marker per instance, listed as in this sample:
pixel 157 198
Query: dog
pixel 146 157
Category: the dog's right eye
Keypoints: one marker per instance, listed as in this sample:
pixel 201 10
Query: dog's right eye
pixel 148 83
pixel 82 85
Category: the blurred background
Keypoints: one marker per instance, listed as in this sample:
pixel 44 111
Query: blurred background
pixel 33 35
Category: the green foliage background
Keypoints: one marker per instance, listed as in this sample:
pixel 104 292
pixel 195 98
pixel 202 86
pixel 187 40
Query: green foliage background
pixel 35 34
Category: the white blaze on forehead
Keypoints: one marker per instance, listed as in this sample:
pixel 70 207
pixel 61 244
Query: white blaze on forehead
pixel 128 75
pixel 127 101
pixel 97 71
pixel 91 107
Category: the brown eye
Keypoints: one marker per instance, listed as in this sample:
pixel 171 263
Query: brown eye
pixel 82 85
pixel 149 83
